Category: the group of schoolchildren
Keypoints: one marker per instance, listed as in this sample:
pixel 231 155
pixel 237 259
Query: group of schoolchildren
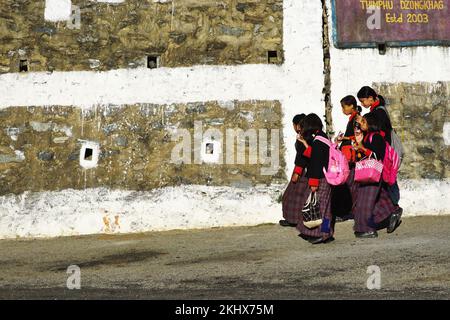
pixel 373 206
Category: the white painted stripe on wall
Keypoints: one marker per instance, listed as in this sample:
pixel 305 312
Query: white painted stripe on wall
pixel 87 89
pixel 75 212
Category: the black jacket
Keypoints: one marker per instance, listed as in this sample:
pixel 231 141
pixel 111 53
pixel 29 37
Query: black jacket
pixel 377 145
pixel 319 158
pixel 383 120
pixel 300 159
pixel 349 132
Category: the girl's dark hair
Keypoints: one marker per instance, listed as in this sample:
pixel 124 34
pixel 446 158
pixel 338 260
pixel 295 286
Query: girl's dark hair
pixel 298 118
pixel 351 101
pixel 311 124
pixel 366 92
pixel 372 122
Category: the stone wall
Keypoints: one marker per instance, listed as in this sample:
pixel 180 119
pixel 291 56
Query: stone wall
pixel 419 112
pixel 124 35
pixel 40 146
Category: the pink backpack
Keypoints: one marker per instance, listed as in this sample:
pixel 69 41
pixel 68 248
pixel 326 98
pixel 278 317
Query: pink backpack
pixel 391 164
pixel 338 170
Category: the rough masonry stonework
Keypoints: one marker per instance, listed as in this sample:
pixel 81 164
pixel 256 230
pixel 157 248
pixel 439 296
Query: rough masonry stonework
pixel 140 33
pixel 40 146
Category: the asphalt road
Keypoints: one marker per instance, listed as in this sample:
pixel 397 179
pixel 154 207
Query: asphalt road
pixel 263 262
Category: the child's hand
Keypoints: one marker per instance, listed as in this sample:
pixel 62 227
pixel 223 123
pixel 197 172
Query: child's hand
pixel 294 177
pixel 339 138
pixel 302 140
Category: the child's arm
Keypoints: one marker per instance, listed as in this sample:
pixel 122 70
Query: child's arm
pixel 376 146
pixel 303 141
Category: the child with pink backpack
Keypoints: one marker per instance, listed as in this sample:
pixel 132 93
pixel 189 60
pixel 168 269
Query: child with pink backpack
pixel 374 208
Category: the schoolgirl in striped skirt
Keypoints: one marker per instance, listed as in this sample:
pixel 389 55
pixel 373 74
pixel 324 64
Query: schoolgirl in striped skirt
pixel 292 200
pixel 314 181
pixel 373 207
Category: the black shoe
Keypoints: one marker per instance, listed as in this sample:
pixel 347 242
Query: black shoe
pixel 395 220
pixel 305 237
pixel 308 238
pixel 370 234
pixel 285 223
pixel 322 240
